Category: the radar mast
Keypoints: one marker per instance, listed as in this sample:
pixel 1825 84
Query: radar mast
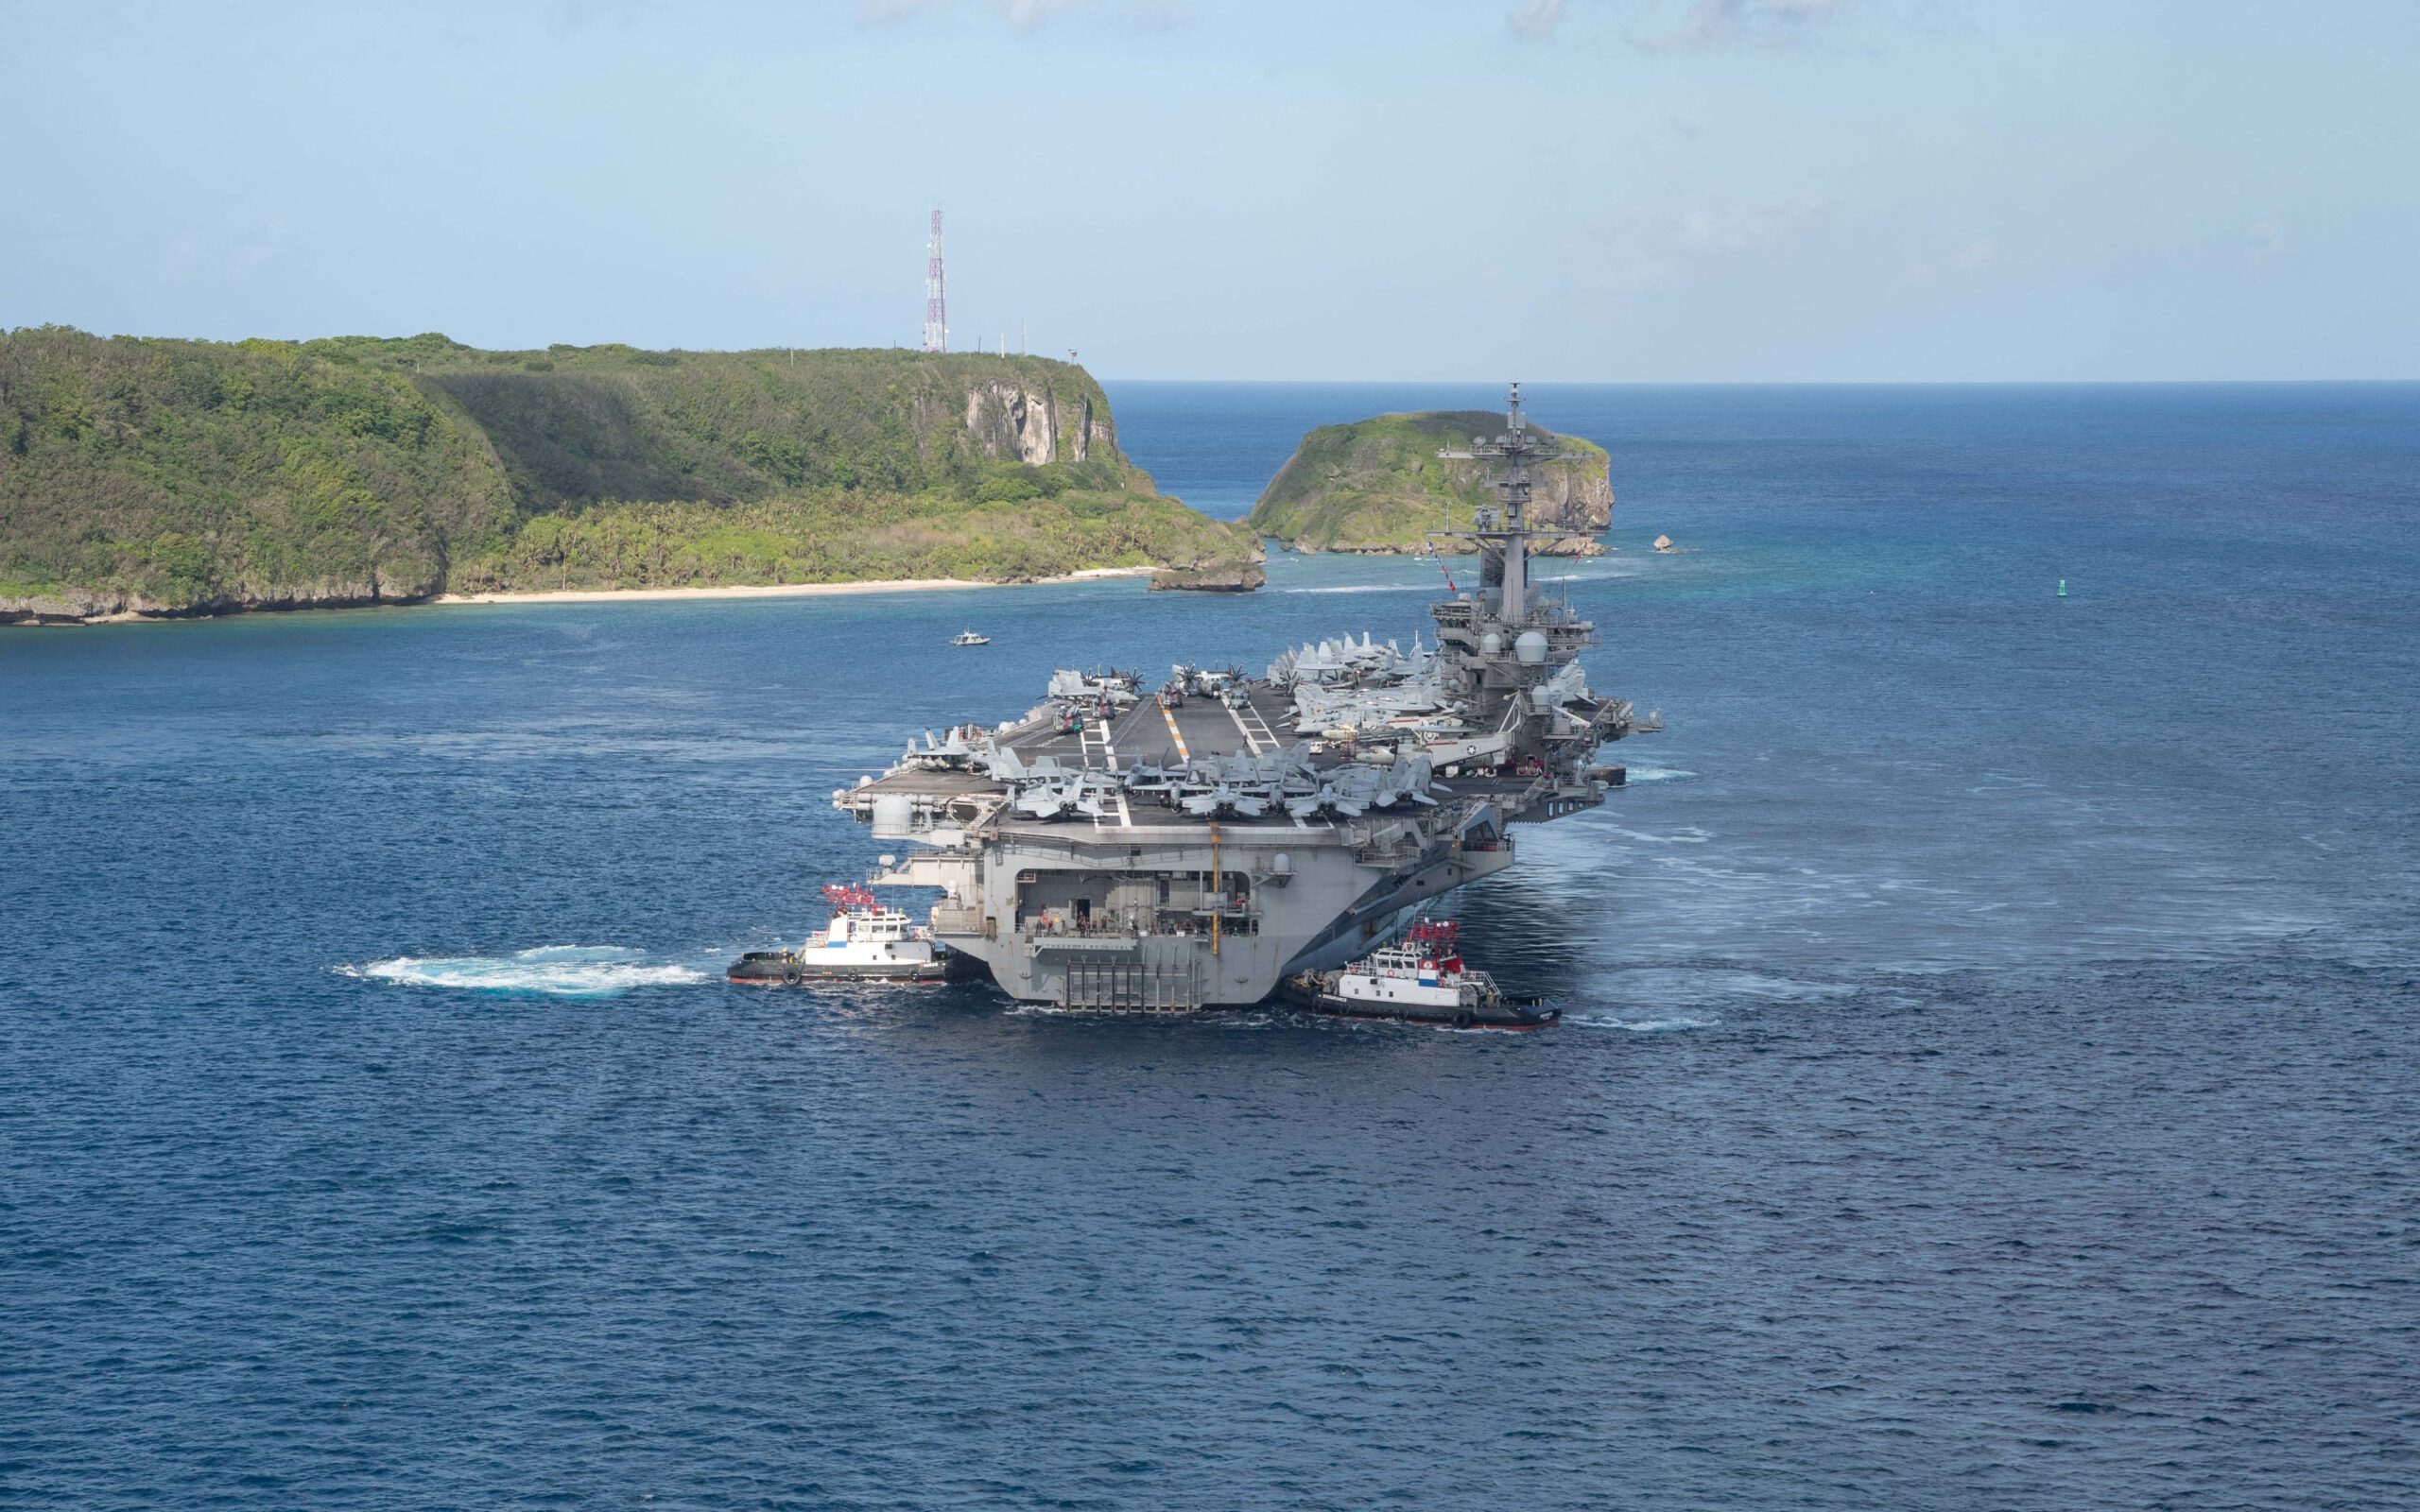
pixel 1503 533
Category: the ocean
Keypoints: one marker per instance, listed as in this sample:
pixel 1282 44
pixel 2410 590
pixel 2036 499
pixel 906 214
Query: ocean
pixel 1989 1076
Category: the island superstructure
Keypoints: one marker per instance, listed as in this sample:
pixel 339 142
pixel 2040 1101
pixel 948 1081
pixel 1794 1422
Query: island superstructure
pixel 1121 848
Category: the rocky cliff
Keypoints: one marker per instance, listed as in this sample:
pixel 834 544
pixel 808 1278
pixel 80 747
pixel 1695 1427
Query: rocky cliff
pixel 1032 424
pixel 179 477
pixel 1223 577
pixel 1379 486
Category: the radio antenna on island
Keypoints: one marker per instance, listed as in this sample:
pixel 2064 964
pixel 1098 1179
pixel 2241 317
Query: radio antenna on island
pixel 936 301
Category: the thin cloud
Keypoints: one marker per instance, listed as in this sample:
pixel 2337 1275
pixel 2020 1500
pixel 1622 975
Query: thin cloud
pixel 1738 26
pixel 1535 18
pixel 570 18
pixel 1641 252
pixel 1034 15
pixel 1685 26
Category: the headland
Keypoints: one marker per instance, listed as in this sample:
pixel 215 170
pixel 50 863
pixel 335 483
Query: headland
pixel 153 478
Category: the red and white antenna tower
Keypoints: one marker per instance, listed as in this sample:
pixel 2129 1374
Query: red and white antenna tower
pixel 936 304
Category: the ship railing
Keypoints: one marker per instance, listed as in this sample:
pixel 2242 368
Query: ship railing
pixel 1104 927
pixel 1238 918
pixel 1393 852
pixel 1035 939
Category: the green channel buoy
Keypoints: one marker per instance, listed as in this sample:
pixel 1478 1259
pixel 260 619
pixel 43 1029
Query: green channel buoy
pixel 2062 587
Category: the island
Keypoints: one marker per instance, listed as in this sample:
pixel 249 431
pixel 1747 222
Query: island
pixel 1378 485
pixel 159 477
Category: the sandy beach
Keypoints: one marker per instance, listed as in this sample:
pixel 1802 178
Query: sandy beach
pixel 900 585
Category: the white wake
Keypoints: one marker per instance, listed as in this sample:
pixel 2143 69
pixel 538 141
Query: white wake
pixel 557 970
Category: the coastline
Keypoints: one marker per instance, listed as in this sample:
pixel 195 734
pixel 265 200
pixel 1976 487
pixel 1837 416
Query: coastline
pixel 885 585
pixel 34 615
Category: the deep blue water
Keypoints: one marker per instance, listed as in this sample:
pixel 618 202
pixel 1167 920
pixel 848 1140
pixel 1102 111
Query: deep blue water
pixel 1991 1079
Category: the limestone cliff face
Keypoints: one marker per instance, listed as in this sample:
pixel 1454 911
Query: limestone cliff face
pixel 1239 577
pixel 1378 485
pixel 86 606
pixel 1034 425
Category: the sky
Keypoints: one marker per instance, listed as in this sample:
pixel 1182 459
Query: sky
pixel 1560 190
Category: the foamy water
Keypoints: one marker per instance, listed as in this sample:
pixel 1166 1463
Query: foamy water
pixel 555 971
pixel 1666 1023
pixel 1635 775
pixel 1366 588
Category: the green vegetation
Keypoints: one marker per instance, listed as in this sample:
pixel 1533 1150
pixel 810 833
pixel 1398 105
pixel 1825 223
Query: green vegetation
pixel 1379 486
pixel 180 472
pixel 177 477
pixel 848 537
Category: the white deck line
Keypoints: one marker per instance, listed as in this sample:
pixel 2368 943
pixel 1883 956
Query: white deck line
pixel 1109 759
pixel 1266 733
pixel 1251 742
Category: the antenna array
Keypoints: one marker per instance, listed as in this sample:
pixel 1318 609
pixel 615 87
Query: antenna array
pixel 936 301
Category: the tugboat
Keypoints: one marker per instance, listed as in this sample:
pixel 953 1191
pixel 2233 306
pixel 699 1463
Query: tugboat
pixel 968 638
pixel 1420 979
pixel 864 942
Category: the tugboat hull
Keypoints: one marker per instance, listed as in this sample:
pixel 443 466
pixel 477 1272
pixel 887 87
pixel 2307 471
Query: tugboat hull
pixel 1312 992
pixel 794 968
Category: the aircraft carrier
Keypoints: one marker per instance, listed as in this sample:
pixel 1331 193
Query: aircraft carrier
pixel 1129 847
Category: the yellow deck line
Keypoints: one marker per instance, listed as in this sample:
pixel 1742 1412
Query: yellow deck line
pixel 1175 734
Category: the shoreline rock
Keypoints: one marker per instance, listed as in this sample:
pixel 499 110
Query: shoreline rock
pixel 107 606
pixel 1215 577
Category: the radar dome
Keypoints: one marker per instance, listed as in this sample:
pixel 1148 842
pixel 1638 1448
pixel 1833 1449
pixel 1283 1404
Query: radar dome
pixel 894 816
pixel 1530 648
pixel 1491 645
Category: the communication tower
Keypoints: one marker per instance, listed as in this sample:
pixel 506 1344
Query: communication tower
pixel 936 302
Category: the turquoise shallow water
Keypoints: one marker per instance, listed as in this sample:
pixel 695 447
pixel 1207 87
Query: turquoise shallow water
pixel 1987 1081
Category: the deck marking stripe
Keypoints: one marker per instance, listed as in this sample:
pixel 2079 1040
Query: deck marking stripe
pixel 1176 734
pixel 1252 745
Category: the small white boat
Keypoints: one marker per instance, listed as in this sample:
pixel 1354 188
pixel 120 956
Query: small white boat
pixel 968 638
